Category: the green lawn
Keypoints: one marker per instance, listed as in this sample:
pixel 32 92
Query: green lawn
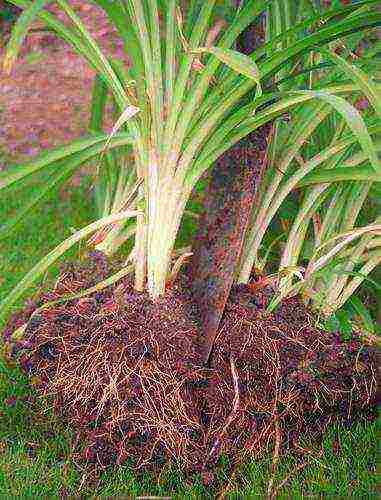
pixel 35 458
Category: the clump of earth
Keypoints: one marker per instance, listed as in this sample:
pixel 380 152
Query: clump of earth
pixel 125 372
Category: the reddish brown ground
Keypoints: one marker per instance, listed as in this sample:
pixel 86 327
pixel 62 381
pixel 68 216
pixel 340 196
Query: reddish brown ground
pixel 125 373
pixel 45 101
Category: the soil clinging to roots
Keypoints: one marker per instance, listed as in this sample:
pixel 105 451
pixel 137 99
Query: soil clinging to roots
pixel 125 373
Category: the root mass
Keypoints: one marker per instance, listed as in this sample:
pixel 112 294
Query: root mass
pixel 125 373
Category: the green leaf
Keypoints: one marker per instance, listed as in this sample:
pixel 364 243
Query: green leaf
pixel 363 313
pixel 345 325
pixel 359 77
pixel 332 323
pixel 89 146
pixel 39 269
pixel 98 104
pixel 240 63
pixel 329 32
pixel 170 52
pixel 55 180
pixel 340 174
pixel 20 31
pixel 120 17
pixel 353 119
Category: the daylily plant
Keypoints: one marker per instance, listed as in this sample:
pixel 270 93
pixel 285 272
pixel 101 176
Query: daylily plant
pixel 185 98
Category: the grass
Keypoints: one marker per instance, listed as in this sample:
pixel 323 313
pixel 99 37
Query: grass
pixel 35 458
pixel 40 232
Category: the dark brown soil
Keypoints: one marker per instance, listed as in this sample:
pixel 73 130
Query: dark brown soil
pixel 125 372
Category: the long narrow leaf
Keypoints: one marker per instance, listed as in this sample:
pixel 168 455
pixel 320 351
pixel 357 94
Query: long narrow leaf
pixel 340 174
pixel 55 180
pixel 353 119
pixel 93 145
pixel 359 77
pixel 20 31
pixel 240 63
pixel 38 270
pixel 98 104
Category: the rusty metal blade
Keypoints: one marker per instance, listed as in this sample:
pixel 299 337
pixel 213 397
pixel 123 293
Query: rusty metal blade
pixel 229 200
pixel 218 244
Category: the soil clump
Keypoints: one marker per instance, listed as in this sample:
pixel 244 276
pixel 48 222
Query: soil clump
pixel 125 373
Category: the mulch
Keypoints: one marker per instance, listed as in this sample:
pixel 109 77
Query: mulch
pixel 125 373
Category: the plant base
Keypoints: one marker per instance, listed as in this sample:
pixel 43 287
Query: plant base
pixel 124 372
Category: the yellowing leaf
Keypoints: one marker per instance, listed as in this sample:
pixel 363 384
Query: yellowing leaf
pixel 128 113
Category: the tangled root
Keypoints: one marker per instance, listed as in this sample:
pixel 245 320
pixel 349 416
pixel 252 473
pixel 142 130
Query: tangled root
pixel 124 372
